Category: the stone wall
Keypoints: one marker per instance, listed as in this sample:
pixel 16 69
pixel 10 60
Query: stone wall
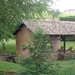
pixel 66 56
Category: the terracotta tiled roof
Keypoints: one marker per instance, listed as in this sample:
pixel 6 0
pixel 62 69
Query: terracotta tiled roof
pixel 52 27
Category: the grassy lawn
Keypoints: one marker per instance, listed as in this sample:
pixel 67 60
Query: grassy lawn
pixel 10 47
pixel 7 66
pixel 65 67
pixel 69 44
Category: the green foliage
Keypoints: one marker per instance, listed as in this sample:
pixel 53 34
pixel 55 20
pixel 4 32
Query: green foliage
pixel 2 73
pixel 40 41
pixel 54 13
pixel 66 15
pixel 69 18
pixel 69 44
pixel 37 63
pixel 13 12
pixel 48 68
pixel 70 38
pixel 66 67
pixel 7 66
pixel 10 47
pixel 39 47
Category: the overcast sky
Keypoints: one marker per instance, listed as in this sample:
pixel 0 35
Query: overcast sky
pixel 64 5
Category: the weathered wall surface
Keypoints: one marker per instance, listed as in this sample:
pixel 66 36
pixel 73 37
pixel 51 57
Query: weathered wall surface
pixel 22 37
pixel 55 42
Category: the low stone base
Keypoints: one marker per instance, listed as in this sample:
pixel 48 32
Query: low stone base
pixel 3 56
pixel 7 57
pixel 61 56
pixel 66 56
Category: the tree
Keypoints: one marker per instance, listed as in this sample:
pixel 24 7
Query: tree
pixel 54 13
pixel 36 63
pixel 13 12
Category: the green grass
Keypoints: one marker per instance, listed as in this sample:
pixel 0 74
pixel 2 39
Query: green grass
pixel 66 67
pixel 10 47
pixel 69 44
pixel 7 66
pixel 65 15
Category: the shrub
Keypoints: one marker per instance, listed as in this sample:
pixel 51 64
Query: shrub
pixel 37 63
pixel 67 18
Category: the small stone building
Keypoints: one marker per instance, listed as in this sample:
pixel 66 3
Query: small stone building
pixel 55 29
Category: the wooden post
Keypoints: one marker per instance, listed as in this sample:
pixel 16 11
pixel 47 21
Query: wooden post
pixel 3 48
pixel 64 42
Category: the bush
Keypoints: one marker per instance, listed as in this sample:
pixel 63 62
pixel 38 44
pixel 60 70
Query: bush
pixel 37 63
pixel 67 18
pixel 2 73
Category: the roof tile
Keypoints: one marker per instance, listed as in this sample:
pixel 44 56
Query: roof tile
pixel 52 27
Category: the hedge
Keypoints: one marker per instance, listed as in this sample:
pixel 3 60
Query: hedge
pixel 67 18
